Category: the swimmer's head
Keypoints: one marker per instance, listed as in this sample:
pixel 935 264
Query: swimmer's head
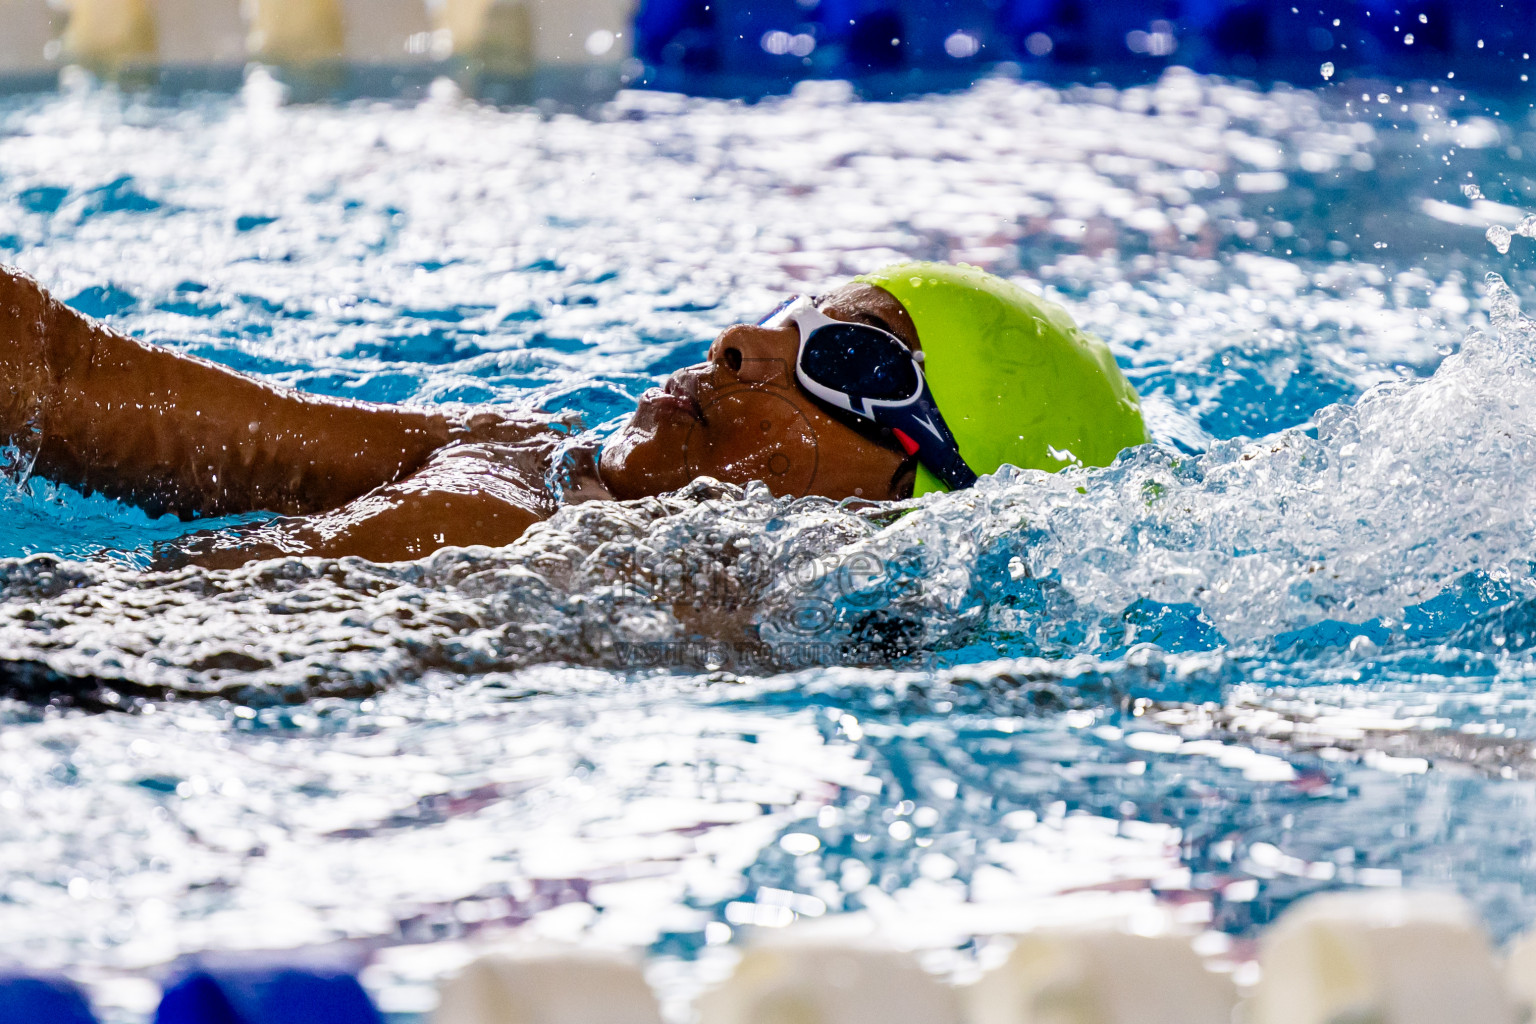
pixel 740 416
pixel 1015 379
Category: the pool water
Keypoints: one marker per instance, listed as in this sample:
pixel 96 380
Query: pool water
pixel 1286 647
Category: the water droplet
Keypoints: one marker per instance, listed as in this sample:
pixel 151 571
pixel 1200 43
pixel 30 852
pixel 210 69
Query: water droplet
pixel 1499 236
pixel 1327 69
pixel 1527 227
pixel 1471 191
pixel 917 282
pixel 1502 304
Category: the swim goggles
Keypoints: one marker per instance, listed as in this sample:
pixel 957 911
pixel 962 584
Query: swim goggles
pixel 874 375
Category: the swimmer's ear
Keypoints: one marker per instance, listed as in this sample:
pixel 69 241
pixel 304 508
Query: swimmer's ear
pixel 904 480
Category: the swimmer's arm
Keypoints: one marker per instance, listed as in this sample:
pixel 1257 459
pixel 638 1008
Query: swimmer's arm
pixel 173 433
pixel 466 495
pixel 396 523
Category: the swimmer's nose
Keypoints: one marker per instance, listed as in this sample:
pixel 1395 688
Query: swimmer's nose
pixel 757 355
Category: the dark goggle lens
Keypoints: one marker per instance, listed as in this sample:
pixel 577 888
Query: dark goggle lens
pixel 859 361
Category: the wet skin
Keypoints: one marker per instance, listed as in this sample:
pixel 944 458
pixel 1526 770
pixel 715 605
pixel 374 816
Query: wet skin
pixel 102 412
pixel 740 416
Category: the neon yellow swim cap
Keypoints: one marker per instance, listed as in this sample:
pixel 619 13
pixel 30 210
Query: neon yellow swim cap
pixel 1017 381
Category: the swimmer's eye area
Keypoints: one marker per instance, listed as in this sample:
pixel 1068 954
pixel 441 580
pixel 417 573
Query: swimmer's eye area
pixel 869 372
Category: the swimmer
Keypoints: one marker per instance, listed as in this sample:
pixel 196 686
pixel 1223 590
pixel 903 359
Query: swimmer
pixel 911 380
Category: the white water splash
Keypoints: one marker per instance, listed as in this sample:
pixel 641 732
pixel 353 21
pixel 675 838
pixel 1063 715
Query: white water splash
pixel 1395 496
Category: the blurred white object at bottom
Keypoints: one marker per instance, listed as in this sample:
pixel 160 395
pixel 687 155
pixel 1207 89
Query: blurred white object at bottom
pixel 1102 978
pixel 824 985
pixel 548 988
pixel 1385 957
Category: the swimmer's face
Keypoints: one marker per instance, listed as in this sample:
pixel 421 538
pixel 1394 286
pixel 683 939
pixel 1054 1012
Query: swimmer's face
pixel 741 417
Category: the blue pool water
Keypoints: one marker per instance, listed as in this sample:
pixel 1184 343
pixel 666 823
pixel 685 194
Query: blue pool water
pixel 1284 648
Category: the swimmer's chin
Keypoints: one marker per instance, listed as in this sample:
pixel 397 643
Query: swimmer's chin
pixel 639 462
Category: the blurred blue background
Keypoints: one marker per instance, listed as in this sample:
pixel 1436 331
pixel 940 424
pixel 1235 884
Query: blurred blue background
pixel 688 42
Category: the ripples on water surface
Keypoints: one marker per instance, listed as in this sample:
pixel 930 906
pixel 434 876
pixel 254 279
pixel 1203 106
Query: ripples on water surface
pixel 1284 648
